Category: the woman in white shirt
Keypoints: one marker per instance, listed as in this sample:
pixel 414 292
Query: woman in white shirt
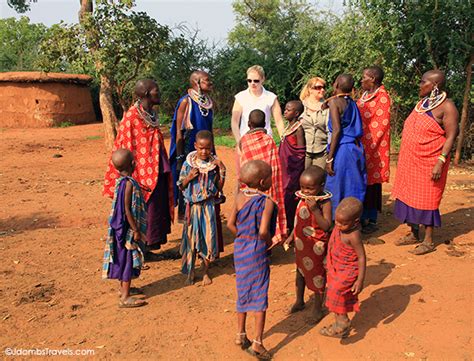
pixel 255 97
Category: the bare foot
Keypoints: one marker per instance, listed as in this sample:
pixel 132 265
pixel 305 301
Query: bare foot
pixel 190 279
pixel 297 307
pixel 206 280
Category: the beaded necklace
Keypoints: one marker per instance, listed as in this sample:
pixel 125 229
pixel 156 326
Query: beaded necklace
pixel 322 197
pixel 150 119
pixel 429 103
pixel 367 97
pixel 203 166
pixel 203 100
pixel 255 130
pixel 337 96
pixel 290 129
pixel 252 192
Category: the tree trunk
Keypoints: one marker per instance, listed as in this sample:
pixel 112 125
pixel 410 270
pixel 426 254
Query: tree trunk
pixel 465 111
pixel 107 109
pixel 86 7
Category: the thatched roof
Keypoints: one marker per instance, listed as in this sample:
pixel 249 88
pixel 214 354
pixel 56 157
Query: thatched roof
pixel 41 77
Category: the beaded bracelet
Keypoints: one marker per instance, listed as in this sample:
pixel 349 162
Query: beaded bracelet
pixel 329 160
pixel 442 158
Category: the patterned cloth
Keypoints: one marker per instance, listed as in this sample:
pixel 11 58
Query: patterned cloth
pixel 200 229
pixel 310 248
pixel 375 115
pixel 259 145
pixel 198 122
pixel 422 141
pixel 350 179
pixel 342 271
pixel 292 160
pixel 251 260
pixel 122 256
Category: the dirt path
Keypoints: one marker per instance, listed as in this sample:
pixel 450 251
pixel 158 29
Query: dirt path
pixel 52 223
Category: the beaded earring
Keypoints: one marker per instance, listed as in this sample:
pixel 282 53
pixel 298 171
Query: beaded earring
pixel 434 94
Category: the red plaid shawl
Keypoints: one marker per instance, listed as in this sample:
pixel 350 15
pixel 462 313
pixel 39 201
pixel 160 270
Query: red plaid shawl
pixel 422 142
pixel 376 140
pixel 342 272
pixel 259 145
pixel 145 143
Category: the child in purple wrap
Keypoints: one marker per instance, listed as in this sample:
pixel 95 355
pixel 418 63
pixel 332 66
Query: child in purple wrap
pixel 127 226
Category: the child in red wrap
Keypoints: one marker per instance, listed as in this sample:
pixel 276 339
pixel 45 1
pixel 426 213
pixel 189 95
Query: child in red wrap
pixel 312 223
pixel 345 267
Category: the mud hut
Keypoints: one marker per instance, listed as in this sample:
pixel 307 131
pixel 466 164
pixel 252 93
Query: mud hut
pixel 38 100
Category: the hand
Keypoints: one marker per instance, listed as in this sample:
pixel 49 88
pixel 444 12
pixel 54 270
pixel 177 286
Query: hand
pixel 193 174
pixel 357 287
pixel 137 236
pixel 312 204
pixel 265 236
pixel 329 169
pixel 219 164
pixel 436 173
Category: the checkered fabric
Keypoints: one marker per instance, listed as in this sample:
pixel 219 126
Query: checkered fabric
pixel 259 145
pixel 422 142
pixel 145 144
pixel 342 272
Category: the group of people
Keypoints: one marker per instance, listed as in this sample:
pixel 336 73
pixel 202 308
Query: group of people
pixel 319 189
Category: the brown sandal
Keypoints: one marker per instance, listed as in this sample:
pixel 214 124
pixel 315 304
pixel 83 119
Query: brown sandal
pixel 132 302
pixel 264 355
pixel 242 341
pixel 335 331
pixel 407 240
pixel 422 249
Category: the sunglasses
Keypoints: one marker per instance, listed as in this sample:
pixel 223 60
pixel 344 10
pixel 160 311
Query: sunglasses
pixel 256 81
pixel 317 87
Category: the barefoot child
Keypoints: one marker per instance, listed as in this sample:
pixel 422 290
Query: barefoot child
pixel 253 221
pixel 257 144
pixel 127 225
pixel 292 152
pixel 312 222
pixel 346 267
pixel 201 180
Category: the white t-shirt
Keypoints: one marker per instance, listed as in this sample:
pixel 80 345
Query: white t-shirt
pixel 249 102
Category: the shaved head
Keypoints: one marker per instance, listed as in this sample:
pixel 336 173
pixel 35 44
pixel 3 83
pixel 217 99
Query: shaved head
pixel 314 174
pixel 122 159
pixel 196 76
pixel 297 105
pixel 144 86
pixel 253 171
pixel 350 208
pixel 256 119
pixel 345 82
pixel 436 76
pixel 377 73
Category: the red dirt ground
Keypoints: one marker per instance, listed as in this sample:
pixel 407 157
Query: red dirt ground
pixel 53 222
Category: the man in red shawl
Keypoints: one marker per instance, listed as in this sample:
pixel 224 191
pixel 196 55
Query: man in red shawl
pixel 139 132
pixel 374 107
pixel 257 144
pixel 428 136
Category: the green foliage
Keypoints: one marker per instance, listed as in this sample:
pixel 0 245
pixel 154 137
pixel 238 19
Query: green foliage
pixel 65 124
pixel 113 42
pixel 225 140
pixel 19 44
pixel 21 6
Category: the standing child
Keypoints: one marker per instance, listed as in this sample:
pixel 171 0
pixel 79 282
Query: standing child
pixel 256 144
pixel 312 222
pixel 253 221
pixel 292 153
pixel 346 267
pixel 201 180
pixel 127 225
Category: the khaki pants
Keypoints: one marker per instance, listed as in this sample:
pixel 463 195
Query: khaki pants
pixel 318 159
